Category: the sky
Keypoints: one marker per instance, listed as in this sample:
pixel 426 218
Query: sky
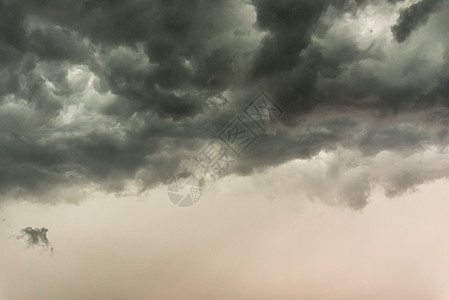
pixel 224 149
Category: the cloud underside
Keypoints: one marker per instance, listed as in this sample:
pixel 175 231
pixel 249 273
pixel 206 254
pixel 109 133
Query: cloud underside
pixel 107 92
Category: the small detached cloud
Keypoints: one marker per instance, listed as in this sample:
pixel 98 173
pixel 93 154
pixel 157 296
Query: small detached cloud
pixel 36 237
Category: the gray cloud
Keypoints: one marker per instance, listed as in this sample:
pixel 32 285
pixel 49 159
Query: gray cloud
pixel 104 92
pixel 36 237
pixel 413 17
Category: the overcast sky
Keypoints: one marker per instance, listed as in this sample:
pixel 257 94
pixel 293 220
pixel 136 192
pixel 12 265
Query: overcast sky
pixel 340 194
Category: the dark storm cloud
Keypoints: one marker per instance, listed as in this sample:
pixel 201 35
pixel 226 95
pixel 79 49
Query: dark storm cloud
pixel 109 91
pixel 290 24
pixel 42 39
pixel 413 17
pixel 297 84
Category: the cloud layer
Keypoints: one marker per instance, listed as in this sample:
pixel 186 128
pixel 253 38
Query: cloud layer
pixel 108 92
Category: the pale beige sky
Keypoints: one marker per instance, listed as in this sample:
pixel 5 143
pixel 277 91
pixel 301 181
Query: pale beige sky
pixel 234 244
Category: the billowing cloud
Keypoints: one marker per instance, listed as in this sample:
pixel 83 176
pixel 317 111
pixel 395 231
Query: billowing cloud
pixel 107 92
pixel 412 17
